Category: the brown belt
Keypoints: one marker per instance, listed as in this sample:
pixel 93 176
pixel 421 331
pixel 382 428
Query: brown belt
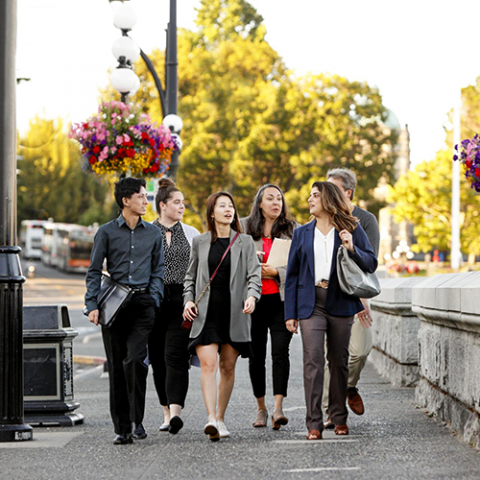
pixel 322 284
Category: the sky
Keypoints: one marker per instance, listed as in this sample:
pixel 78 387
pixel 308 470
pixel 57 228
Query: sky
pixel 419 53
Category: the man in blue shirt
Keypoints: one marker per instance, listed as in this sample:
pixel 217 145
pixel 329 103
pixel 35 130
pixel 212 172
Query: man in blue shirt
pixel 133 250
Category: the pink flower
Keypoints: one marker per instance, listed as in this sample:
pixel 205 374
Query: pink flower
pixel 119 139
pixel 126 137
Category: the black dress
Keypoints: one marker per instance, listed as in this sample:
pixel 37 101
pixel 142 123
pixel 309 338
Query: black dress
pixel 217 322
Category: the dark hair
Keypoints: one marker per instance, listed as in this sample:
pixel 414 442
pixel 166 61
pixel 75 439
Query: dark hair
pixel 165 189
pixel 126 187
pixel 256 220
pixel 334 203
pixel 211 202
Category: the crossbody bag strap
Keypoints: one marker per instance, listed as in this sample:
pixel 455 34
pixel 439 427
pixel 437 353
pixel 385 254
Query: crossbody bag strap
pixel 216 270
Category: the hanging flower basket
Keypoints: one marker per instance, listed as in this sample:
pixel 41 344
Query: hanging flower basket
pixel 121 139
pixel 469 155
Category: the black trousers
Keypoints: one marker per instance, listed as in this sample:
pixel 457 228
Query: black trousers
pixel 269 315
pixel 126 348
pixel 168 349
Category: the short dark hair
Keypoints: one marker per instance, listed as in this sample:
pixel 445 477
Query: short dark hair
pixel 126 187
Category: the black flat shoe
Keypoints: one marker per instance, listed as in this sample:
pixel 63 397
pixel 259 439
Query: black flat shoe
pixel 139 433
pixel 176 424
pixel 123 439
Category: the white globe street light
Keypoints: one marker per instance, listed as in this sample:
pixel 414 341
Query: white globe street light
pixel 125 47
pixel 135 88
pixel 173 122
pixel 124 80
pixel 124 17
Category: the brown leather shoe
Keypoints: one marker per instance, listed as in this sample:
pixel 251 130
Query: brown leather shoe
pixel 355 401
pixel 341 430
pixel 261 419
pixel 314 435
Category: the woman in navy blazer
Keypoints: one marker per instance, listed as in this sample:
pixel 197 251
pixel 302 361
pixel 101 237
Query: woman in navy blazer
pixel 313 296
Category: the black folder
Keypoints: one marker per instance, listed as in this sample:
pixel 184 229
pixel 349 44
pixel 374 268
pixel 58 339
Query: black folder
pixel 112 297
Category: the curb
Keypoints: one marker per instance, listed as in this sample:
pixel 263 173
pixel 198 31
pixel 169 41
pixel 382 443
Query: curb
pixel 88 360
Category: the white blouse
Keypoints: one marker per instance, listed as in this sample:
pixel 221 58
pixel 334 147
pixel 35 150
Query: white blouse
pixel 323 253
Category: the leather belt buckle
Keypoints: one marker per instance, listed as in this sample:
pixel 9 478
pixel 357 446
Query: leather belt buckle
pixel 322 284
pixel 138 290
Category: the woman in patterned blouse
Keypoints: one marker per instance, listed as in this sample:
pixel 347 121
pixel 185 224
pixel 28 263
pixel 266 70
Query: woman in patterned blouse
pixel 168 342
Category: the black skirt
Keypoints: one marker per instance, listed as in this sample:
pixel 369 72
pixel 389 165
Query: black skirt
pixel 217 322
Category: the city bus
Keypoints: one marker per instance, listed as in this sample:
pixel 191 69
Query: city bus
pixel 72 246
pixel 31 237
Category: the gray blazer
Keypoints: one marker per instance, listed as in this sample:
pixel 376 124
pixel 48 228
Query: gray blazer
pixel 282 271
pixel 245 281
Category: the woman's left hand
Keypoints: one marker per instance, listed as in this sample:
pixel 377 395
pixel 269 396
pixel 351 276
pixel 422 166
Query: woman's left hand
pixel 249 306
pixel 347 241
pixel 268 271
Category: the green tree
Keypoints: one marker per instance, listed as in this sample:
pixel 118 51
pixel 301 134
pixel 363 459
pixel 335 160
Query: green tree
pixel 248 120
pixel 51 182
pixel 423 197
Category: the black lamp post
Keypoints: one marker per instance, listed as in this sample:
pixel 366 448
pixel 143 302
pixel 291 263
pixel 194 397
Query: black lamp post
pixel 124 20
pixel 12 425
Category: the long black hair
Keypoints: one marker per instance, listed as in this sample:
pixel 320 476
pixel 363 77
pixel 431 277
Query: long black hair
pixel 256 220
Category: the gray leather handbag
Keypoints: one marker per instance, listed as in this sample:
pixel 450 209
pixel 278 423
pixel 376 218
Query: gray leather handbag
pixel 352 279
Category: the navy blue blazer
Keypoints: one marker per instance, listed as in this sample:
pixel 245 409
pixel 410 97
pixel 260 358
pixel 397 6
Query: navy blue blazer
pixel 300 280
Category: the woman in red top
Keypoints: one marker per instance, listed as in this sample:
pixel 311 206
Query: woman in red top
pixel 268 220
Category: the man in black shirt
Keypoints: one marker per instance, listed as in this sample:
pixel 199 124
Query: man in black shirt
pixel 134 253
pixel 361 338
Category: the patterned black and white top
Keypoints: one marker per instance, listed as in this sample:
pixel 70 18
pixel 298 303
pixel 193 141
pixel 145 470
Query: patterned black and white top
pixel 177 254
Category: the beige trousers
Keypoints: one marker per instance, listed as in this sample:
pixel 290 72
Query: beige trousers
pixel 361 343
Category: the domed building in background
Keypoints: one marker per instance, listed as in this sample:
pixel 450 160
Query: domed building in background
pixel 393 235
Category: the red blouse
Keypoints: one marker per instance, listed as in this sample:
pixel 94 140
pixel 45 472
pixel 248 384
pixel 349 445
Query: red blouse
pixel 269 285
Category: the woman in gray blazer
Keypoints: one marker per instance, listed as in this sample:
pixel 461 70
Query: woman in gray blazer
pixel 268 220
pixel 221 320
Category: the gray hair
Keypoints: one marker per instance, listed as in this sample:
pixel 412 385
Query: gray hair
pixel 347 177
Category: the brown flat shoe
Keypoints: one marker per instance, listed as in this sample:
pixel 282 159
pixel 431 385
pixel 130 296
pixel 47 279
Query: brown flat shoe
pixel 328 425
pixel 355 401
pixel 261 419
pixel 278 419
pixel 314 435
pixel 341 430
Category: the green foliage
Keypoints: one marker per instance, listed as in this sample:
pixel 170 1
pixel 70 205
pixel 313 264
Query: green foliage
pixel 51 182
pixel 249 121
pixel 423 197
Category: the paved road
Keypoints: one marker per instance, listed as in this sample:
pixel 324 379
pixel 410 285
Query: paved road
pixel 393 440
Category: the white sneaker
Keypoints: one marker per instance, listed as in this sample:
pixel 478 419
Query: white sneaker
pixel 211 429
pixel 222 429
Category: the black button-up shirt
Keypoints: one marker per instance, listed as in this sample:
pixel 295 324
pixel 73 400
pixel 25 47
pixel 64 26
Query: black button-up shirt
pixel 134 258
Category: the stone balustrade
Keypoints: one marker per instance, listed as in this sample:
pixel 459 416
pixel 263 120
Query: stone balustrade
pixel 427 334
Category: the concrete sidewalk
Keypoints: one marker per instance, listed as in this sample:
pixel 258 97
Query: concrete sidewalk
pixel 393 440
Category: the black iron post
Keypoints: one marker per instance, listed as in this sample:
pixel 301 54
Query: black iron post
pixel 171 77
pixel 12 425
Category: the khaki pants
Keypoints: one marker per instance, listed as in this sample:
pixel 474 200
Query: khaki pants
pixel 360 345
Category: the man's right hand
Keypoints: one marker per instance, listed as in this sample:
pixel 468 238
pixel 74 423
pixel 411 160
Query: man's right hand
pixel 93 317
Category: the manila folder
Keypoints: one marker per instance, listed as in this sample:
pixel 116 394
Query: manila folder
pixel 278 256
